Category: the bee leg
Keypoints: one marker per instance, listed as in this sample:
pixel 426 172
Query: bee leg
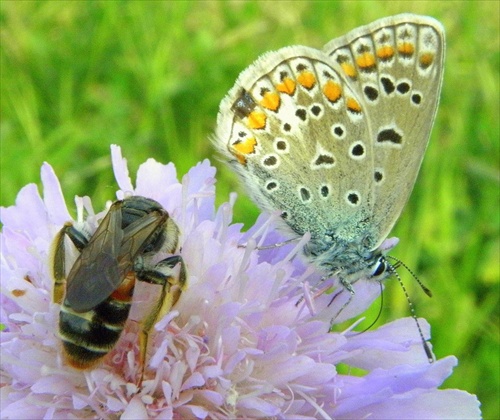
pixel 164 275
pixel 59 257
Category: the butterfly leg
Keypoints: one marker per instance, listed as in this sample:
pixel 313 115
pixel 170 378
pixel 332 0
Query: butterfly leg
pixel 346 286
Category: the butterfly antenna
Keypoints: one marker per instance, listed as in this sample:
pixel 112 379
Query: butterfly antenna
pixel 426 290
pixel 427 349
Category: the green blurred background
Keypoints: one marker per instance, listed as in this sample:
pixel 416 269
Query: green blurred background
pixel 149 76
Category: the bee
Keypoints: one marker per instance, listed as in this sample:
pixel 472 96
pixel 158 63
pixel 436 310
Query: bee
pixel 96 295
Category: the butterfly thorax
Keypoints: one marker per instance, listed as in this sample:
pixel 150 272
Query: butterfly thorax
pixel 350 261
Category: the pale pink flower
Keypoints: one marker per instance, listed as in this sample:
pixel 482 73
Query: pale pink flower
pixel 236 345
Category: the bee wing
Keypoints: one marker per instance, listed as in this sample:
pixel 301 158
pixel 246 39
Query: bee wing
pixel 136 235
pixel 107 259
pixel 95 274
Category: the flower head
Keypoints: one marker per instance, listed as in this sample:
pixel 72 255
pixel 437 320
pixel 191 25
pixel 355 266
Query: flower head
pixel 240 342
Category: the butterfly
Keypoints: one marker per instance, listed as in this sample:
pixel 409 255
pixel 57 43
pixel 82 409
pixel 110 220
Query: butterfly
pixel 334 138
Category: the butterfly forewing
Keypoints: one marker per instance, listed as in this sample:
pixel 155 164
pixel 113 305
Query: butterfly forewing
pixel 396 67
pixel 291 117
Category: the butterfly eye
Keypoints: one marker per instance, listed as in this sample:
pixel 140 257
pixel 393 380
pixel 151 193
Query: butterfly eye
pixel 380 268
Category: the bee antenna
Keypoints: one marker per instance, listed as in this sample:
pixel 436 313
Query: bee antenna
pixel 392 269
pixel 399 263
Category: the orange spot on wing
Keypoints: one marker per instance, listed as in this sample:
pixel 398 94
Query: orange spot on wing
pixel 349 70
pixel 306 79
pixel 426 59
pixel 406 48
pixel 245 147
pixel 366 61
pixel 332 91
pixel 241 159
pixel 271 100
pixel 385 53
pixel 18 292
pixel 287 86
pixel 242 148
pixel 353 105
pixel 256 120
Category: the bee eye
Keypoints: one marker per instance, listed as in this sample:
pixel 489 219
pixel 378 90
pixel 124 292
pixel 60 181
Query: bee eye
pixel 149 248
pixel 155 242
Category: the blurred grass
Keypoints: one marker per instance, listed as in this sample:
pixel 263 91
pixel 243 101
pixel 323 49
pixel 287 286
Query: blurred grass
pixel 79 76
